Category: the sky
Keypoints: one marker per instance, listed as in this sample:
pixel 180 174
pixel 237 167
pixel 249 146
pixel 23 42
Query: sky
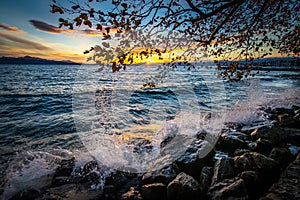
pixel 27 27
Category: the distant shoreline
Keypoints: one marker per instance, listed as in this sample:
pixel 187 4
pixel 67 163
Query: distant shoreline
pixel 33 61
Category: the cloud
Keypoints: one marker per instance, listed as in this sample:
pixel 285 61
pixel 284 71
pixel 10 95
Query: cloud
pixel 43 26
pixel 89 32
pixel 18 41
pixel 10 28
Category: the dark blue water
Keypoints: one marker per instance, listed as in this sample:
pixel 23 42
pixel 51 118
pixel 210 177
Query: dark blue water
pixel 37 110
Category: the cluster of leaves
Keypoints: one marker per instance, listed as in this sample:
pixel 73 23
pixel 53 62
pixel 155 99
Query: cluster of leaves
pixel 226 30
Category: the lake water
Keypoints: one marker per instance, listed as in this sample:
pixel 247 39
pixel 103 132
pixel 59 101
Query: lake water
pixel 56 106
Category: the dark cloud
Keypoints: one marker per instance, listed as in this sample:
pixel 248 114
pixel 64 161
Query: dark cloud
pixel 10 28
pixel 23 42
pixel 42 26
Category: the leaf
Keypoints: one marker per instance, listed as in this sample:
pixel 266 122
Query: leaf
pixel 124 5
pixel 107 29
pixel 56 9
pixel 75 7
pixel 78 21
pixel 88 23
pixel 99 27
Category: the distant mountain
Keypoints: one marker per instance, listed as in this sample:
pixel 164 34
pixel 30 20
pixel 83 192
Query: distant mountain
pixel 34 60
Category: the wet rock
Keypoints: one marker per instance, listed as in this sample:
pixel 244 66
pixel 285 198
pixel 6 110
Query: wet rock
pixel 164 175
pixel 110 192
pixel 123 180
pixel 71 192
pixel 240 152
pixel 132 194
pixel 205 179
pixel 229 189
pixel 141 145
pixel 288 186
pixel 233 126
pixel 279 111
pixel 265 166
pixel 274 134
pixel 292 136
pixel 294 150
pixel 252 183
pixel 65 168
pixel 154 191
pixel 63 180
pixel 223 169
pixel 195 158
pixel 229 143
pixel 27 195
pixel 262 146
pixel 285 120
pixel 183 187
pixel 282 155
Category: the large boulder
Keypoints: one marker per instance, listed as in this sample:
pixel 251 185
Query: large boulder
pixel 154 191
pixel 71 192
pixel 288 186
pixel 197 156
pixel 223 169
pixel 231 141
pixel 282 155
pixel 183 187
pixel 228 189
pixel 265 166
pixel 205 179
pixel 252 183
pixel 164 175
pixel 263 146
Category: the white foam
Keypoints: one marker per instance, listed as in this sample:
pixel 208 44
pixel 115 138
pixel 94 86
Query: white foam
pixel 31 170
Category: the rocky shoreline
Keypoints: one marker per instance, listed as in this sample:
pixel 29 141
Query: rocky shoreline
pixel 248 162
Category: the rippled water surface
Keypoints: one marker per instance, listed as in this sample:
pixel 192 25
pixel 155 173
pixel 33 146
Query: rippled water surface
pixel 38 102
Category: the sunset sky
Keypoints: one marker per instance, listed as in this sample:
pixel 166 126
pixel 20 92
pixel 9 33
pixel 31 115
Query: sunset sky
pixel 27 27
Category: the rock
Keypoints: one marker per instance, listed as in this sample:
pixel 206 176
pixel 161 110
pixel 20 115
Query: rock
pixel 294 150
pixel 164 175
pixel 195 158
pixel 262 146
pixel 223 169
pixel 240 152
pixel 288 185
pixel 228 189
pixel 71 192
pixel 229 143
pixel 154 191
pixel 279 111
pixel 252 183
pixel 282 155
pixel 292 136
pixel 110 192
pixel 27 195
pixel 141 145
pixel 123 180
pixel 65 168
pixel 63 180
pixel 285 120
pixel 132 194
pixel 274 134
pixel 183 187
pixel 205 179
pixel 265 166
